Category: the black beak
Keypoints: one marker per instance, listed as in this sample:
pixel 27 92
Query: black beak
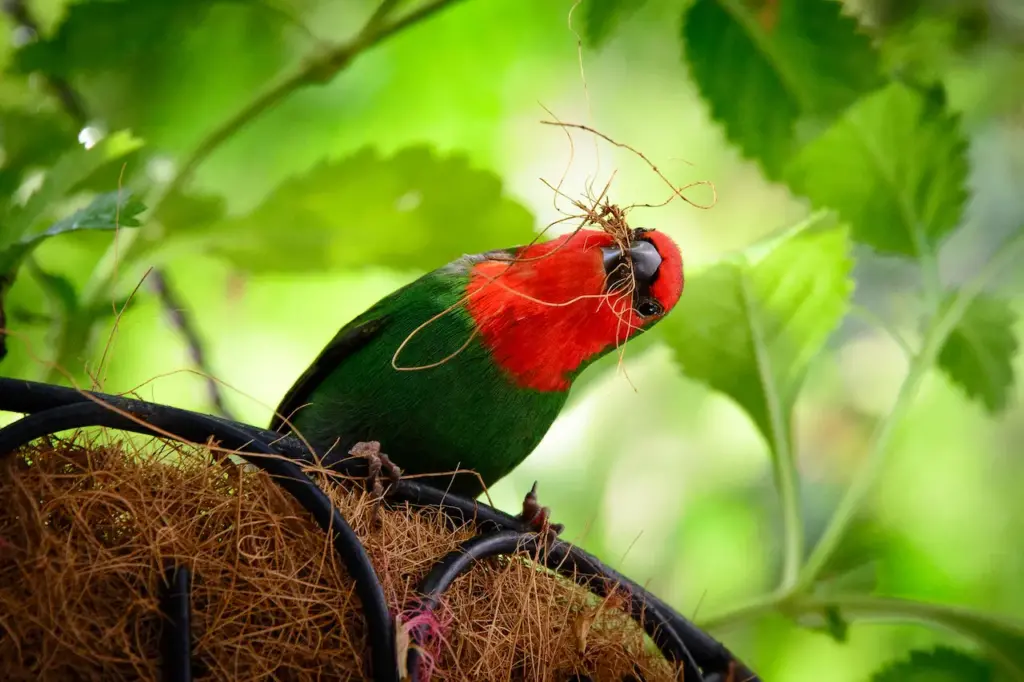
pixel 646 261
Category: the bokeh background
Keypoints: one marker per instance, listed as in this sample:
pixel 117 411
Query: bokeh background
pixel 666 480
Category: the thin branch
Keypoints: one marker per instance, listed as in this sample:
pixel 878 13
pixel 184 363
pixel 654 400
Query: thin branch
pixel 871 317
pixel 317 69
pixel 182 321
pixel 939 329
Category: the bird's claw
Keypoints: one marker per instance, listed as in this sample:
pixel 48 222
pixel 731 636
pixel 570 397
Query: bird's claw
pixel 537 518
pixel 377 463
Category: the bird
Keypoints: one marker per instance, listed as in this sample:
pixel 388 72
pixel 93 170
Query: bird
pixel 466 368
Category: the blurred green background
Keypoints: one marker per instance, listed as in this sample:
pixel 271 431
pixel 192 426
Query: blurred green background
pixel 428 143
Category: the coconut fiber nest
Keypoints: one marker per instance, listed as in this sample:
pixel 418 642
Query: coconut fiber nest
pixel 125 558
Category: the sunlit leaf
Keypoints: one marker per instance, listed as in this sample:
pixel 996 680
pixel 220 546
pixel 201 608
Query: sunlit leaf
pixel 895 168
pixel 937 665
pixel 978 356
pixel 602 16
pixel 766 66
pixel 414 210
pixel 750 328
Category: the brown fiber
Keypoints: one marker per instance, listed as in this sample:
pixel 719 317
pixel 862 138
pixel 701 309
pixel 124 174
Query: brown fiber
pixel 86 526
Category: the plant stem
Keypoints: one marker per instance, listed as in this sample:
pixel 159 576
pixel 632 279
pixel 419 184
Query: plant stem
pixel 753 609
pixel 784 469
pixel 966 622
pixel 939 329
pixel 873 318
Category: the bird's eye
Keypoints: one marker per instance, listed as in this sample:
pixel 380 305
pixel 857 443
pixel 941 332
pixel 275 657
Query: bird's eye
pixel 647 307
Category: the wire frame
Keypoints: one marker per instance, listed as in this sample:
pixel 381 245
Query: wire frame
pixel 52 409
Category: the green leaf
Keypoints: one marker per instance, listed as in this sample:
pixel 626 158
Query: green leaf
pixel 601 17
pixel 133 28
pixel 768 69
pixel 978 355
pixel 414 210
pixel 72 169
pixel 835 625
pixel 105 212
pixel 751 327
pixel 183 211
pixel 894 166
pixel 941 664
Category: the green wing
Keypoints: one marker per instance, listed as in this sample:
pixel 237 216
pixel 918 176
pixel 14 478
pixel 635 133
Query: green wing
pixel 350 339
pixel 362 330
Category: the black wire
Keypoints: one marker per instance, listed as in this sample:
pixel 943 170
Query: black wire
pixel 176 635
pixel 18 395
pixel 196 427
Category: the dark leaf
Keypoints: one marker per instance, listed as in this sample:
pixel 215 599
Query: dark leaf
pixel 978 356
pixel 766 65
pixel 937 665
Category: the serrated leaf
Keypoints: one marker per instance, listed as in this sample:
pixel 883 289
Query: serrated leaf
pixel 751 328
pixel 413 210
pixel 894 166
pixel 766 66
pixel 941 664
pixel 978 355
pixel 601 17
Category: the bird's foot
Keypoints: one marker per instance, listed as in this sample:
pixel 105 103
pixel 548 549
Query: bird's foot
pixel 537 518
pixel 377 463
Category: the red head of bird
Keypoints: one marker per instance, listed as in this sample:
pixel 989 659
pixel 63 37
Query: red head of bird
pixel 560 304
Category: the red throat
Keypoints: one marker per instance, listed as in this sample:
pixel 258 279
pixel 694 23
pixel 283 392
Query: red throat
pixel 547 313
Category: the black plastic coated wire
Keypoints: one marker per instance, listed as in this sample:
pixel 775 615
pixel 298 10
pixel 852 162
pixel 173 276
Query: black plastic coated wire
pixel 195 427
pixel 176 633
pixel 678 638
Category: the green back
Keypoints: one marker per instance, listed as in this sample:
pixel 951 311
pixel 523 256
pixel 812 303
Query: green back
pixel 465 413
